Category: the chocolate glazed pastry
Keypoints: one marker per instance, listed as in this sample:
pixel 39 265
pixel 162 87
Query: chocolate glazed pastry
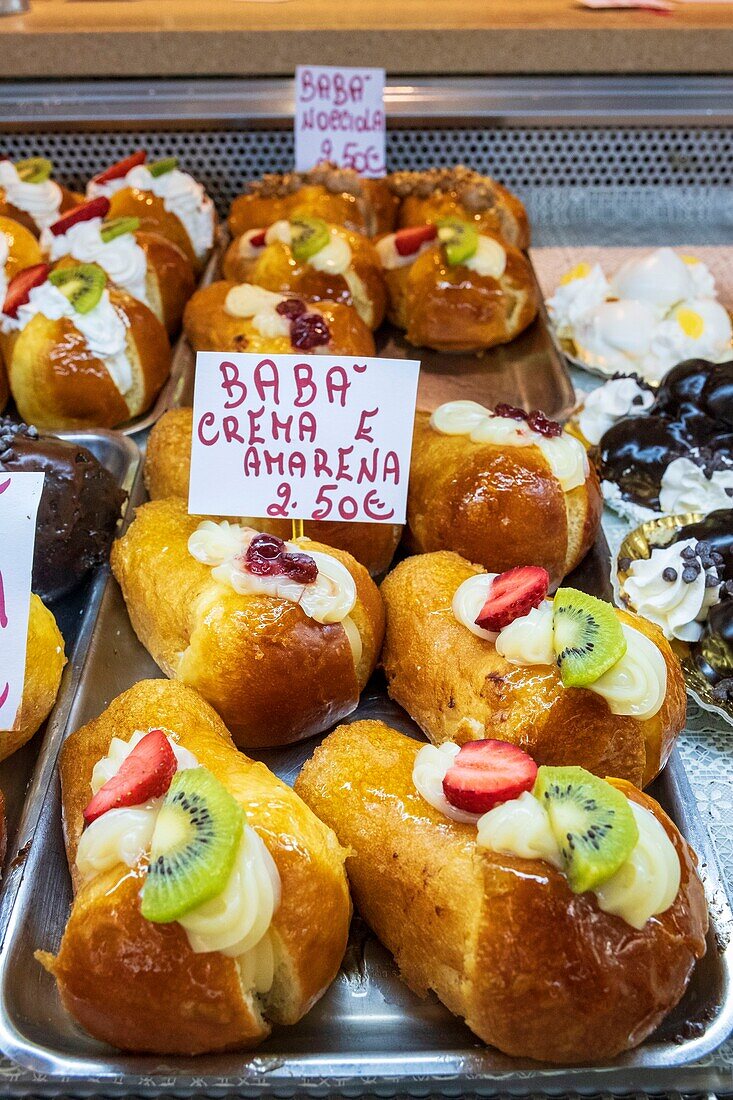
pixel 79 507
pixel 692 417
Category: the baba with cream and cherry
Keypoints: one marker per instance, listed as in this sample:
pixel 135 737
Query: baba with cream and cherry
pixel 454 287
pixel 80 353
pixel 572 679
pixel 210 903
pixel 165 199
pixel 559 914
pixel 310 259
pixel 484 483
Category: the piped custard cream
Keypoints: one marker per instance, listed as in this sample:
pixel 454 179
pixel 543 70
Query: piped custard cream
pixel 565 455
pixel 237 921
pixel 646 883
pixel 636 685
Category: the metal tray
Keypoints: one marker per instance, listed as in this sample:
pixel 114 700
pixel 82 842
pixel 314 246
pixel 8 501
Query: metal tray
pixel 369 1034
pixel 76 615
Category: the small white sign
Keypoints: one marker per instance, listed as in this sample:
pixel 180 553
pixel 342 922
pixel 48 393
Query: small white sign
pixel 20 495
pixel 339 116
pixel 302 437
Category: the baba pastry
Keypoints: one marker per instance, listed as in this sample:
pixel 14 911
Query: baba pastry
pixel 78 511
pixel 548 944
pixel 240 915
pixel 487 484
pixel 310 259
pixel 80 353
pixel 677 456
pixel 167 468
pixel 460 192
pixel 28 194
pixel 166 201
pixel 228 316
pixel 455 288
pixel 44 663
pixel 145 265
pixel 279 637
pixel 573 680
pixel 339 196
pixel 18 249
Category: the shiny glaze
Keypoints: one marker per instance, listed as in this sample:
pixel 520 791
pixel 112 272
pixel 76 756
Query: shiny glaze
pixel 717 529
pixel 713 654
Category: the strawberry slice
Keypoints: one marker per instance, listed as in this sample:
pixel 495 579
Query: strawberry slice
pixel 146 773
pixel 21 286
pixel 408 241
pixel 117 171
pixel 512 595
pixel 258 239
pixel 486 773
pixel 95 208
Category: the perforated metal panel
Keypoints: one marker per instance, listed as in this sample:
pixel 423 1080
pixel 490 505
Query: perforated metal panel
pixel 521 158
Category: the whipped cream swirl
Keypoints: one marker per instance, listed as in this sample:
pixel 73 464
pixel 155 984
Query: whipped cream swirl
pixel 610 402
pixel 673 590
pixel 122 258
pixel 580 290
pixel 564 454
pixel 687 488
pixel 41 201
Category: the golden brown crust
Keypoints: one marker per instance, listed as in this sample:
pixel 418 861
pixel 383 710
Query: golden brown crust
pixel 167 468
pixel 154 218
pixel 273 674
pixel 275 268
pixel 58 383
pixel 478 694
pixel 69 199
pixel 171 271
pixel 461 193
pixel 209 327
pixel 535 970
pixel 455 309
pixel 488 503
pixel 4 391
pixel 23 248
pixel 44 663
pixel 179 1001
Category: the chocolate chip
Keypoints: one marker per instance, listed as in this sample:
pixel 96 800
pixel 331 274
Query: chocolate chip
pixel 669 574
pixel 712 580
pixel 691 572
pixel 624 564
pixel 688 553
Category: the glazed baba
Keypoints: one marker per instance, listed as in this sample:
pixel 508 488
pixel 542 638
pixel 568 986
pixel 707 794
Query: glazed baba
pixel 484 483
pixel 18 250
pixel 571 679
pixel 44 663
pixel 166 201
pixel 310 259
pixel 514 893
pixel 228 316
pixel 279 637
pixel 455 288
pixel 30 196
pixel 79 352
pixel 79 509
pixel 167 470
pixel 677 455
pixel 185 853
pixel 656 311
pixel 462 193
pixel 145 265
pixel 339 196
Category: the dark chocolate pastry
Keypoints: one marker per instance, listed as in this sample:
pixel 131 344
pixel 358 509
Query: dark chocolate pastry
pixel 692 417
pixel 713 654
pixel 717 531
pixel 79 508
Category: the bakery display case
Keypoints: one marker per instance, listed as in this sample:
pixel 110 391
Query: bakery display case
pixel 598 163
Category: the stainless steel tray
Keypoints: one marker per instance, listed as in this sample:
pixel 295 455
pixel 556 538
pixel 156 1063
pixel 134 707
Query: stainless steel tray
pixel 76 615
pixel 369 1034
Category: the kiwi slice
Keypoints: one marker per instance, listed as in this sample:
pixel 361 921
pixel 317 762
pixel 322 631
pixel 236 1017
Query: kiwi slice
pixel 162 167
pixel 34 169
pixel 459 239
pixel 587 637
pixel 592 822
pixel 117 227
pixel 308 236
pixel 83 285
pixel 195 841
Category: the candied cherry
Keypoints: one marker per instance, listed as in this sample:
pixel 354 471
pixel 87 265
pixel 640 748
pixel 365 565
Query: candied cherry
pixel 300 567
pixel 264 555
pixel 309 331
pixel 291 308
pixel 541 424
pixel 511 412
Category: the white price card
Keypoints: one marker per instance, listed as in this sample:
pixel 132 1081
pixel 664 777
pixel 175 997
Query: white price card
pixel 302 437
pixel 339 116
pixel 20 495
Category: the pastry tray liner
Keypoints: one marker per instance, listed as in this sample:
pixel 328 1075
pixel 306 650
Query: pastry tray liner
pixel 369 1034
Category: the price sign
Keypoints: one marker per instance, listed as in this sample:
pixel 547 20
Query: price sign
pixel 20 495
pixel 339 116
pixel 296 437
